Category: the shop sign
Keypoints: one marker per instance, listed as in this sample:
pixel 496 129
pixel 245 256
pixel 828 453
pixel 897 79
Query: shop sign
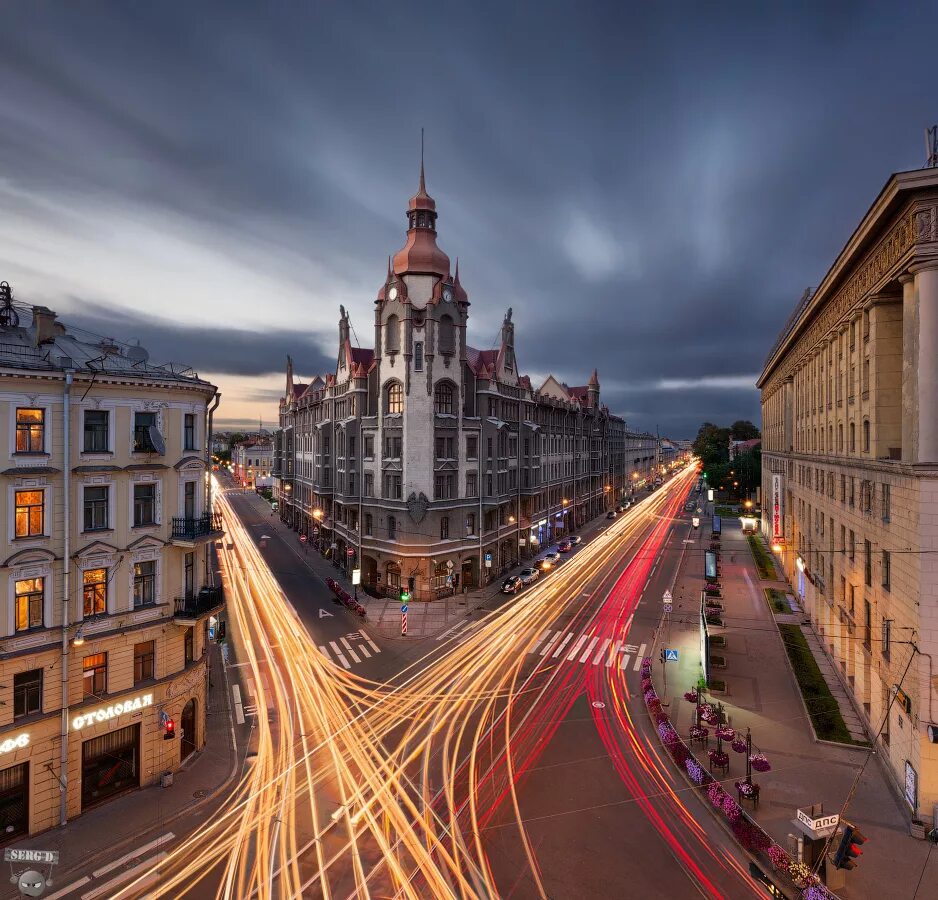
pixel 911 785
pixel 816 825
pixel 777 511
pixel 15 743
pixel 112 712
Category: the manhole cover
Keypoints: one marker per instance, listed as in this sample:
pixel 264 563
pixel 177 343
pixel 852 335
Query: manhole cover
pixel 599 704
pixel 198 795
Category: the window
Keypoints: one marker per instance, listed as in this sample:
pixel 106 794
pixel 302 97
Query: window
pixel 96 431
pixel 843 488
pixel 188 431
pixel 443 487
pixel 188 571
pixel 368 523
pixel 472 446
pixel 27 693
pixel 30 430
pixel 188 646
pixel 418 356
pixel 29 601
pixel 29 514
pixel 446 339
pixel 444 448
pixel 488 448
pixel 444 528
pixel 392 528
pixel 852 543
pixel 887 569
pixel 887 501
pixel 887 637
pixel 369 484
pixel 143 661
pixel 143 421
pixel 392 486
pixel 188 499
pixel 351 446
pixel 96 508
pixel 853 438
pixel 393 447
pixel 94 591
pixel 868 563
pixel 392 334
pixel 369 445
pixel 144 583
pixel 443 399
pixel 144 504
pixel 395 398
pixel 866 435
pixel 867 625
pixel 471 523
pixel 472 484
pixel 94 675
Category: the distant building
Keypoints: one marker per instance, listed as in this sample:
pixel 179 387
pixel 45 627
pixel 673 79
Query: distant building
pixel 739 447
pixel 850 472
pixel 109 522
pixel 431 464
pixel 252 462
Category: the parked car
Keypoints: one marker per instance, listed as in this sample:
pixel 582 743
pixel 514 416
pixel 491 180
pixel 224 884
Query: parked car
pixel 275 506
pixel 529 576
pixel 512 584
pixel 565 546
pixel 552 556
pixel 547 561
pixel 575 539
pixel 611 514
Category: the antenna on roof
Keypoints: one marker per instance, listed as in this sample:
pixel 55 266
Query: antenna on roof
pixel 931 147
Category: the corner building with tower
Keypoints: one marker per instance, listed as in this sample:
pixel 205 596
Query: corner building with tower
pixel 850 473
pixel 432 465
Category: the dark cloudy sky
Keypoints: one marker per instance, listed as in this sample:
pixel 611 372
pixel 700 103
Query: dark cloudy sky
pixel 650 186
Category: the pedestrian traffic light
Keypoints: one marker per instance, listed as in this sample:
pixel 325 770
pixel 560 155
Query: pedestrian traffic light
pixel 405 595
pixel 169 729
pixel 849 848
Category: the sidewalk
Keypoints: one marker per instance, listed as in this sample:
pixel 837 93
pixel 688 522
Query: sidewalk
pixel 762 694
pixel 102 835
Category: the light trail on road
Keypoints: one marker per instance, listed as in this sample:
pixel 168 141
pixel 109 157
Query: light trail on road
pixel 359 789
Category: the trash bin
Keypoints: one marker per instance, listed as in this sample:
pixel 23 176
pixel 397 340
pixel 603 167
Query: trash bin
pixel 166 779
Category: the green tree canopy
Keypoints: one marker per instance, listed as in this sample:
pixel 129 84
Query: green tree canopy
pixel 744 430
pixel 712 444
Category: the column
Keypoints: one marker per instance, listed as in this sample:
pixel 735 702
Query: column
pixel 926 293
pixel 909 370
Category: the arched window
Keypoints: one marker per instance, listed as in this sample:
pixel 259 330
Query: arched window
pixel 394 574
pixel 418 356
pixel 443 399
pixel 447 336
pixel 840 438
pixel 866 435
pixel 392 330
pixel 853 437
pixel 392 528
pixel 394 401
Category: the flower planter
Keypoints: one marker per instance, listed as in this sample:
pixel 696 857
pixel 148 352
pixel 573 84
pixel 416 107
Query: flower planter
pixel 917 830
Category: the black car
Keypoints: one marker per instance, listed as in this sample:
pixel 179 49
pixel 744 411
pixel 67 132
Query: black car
pixel 512 584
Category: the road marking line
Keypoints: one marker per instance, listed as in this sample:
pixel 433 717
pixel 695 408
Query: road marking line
pixel 325 652
pixel 133 854
pixel 440 637
pixel 624 664
pixel 599 653
pixel 364 650
pixel 562 644
pixel 551 641
pixel 74 886
pixel 351 652
pixel 238 705
pixel 588 650
pixel 537 643
pixel 639 658
pixel 108 888
pixel 339 655
pixel 613 653
pixel 251 709
pixel 371 643
pixel 628 624
pixel 576 647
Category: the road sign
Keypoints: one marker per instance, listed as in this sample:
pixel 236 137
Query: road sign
pixel 666 597
pixel 303 538
pixel 670 654
pixel 356 576
pixel 667 607
pixel 350 551
pixel 449 564
pixel 164 717
pixel 404 608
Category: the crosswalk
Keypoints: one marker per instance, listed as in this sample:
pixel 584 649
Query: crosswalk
pixel 356 646
pixel 588 647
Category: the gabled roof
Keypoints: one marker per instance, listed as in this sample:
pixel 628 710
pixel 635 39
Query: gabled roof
pixel 481 361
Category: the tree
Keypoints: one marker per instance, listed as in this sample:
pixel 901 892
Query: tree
pixel 711 445
pixel 744 430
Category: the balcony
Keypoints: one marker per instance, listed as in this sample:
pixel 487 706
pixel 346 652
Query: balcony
pixel 187 532
pixel 188 610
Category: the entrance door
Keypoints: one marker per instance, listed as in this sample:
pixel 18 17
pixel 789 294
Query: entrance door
pixel 468 574
pixel 187 737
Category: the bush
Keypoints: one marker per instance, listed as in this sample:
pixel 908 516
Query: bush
pixel 777 600
pixel 822 707
pixel 760 556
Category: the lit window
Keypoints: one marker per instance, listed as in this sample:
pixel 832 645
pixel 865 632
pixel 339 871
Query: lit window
pixel 29 597
pixel 30 430
pixel 29 513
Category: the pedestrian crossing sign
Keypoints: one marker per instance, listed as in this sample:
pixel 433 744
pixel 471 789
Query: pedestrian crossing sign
pixel 670 655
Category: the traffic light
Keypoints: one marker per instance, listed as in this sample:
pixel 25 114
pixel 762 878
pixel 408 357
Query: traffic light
pixel 849 848
pixel 169 729
pixel 405 595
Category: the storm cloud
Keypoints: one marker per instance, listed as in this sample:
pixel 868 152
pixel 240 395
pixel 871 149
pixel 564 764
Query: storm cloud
pixel 650 189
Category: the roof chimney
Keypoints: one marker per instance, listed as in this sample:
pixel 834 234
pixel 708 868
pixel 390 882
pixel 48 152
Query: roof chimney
pixel 45 328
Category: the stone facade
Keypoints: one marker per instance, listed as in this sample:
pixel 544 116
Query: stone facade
pixel 252 462
pixel 106 524
pixel 433 465
pixel 850 439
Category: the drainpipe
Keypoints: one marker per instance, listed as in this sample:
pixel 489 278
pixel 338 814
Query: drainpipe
pixel 208 449
pixel 66 566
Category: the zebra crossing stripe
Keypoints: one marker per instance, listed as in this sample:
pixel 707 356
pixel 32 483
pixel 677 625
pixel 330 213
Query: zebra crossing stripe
pixel 537 643
pixel 561 645
pixel 349 649
pixel 598 656
pixel 613 653
pixel 551 641
pixel 576 647
pixel 364 651
pixel 639 658
pixel 588 649
pixel 370 642
pixel 339 655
